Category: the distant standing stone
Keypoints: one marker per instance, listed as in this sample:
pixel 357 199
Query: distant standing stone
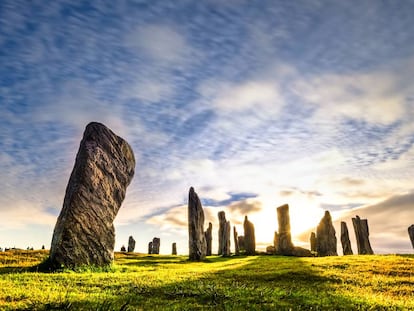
pixel 174 248
pixel 362 236
pixel 131 244
pixel 209 237
pixel 149 248
pixel 84 233
pixel 285 245
pixel 197 240
pixel 156 245
pixel 249 237
pixel 313 242
pixel 411 234
pixel 224 235
pixel 346 243
pixel 123 249
pixel 240 239
pixel 325 237
pixel 236 241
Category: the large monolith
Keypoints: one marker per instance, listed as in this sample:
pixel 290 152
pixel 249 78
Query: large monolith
pixel 131 244
pixel 236 241
pixel 174 249
pixel 346 243
pixel 249 237
pixel 197 241
pixel 149 248
pixel 362 236
pixel 209 238
pixel 285 245
pixel 325 237
pixel 313 242
pixel 224 235
pixel 84 233
pixel 411 234
pixel 156 243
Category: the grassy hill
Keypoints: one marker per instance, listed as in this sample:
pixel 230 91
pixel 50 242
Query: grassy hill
pixel 141 282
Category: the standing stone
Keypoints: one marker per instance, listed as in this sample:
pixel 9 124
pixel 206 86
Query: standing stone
pixel 149 248
pixel 131 244
pixel 325 237
pixel 362 236
pixel 411 234
pixel 123 249
pixel 240 239
pixel 346 243
pixel 156 245
pixel 174 248
pixel 84 233
pixel 197 240
pixel 313 242
pixel 221 232
pixel 285 246
pixel 226 244
pixel 276 242
pixel 236 241
pixel 249 237
pixel 209 237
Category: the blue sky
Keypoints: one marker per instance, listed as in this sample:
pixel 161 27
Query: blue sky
pixel 253 103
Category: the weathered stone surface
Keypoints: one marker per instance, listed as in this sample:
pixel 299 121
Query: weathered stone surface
pixel 325 237
pixel 301 252
pixel 197 240
pixel 249 237
pixel 313 242
pixel 362 236
pixel 270 250
pixel 131 244
pixel 411 234
pixel 149 248
pixel 156 243
pixel 276 242
pixel 236 241
pixel 240 239
pixel 174 248
pixel 123 249
pixel 346 243
pixel 209 238
pixel 84 233
pixel 224 235
pixel 285 245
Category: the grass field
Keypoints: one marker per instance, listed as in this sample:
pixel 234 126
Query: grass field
pixel 141 282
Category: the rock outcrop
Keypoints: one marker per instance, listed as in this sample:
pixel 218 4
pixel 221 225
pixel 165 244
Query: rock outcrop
pixel 149 248
pixel 131 244
pixel 411 234
pixel 325 237
pixel 156 243
pixel 84 233
pixel 236 241
pixel 249 237
pixel 313 242
pixel 362 236
pixel 283 236
pixel 174 249
pixel 197 240
pixel 224 235
pixel 346 243
pixel 209 238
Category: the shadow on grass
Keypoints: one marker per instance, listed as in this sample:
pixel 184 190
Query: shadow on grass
pixel 281 283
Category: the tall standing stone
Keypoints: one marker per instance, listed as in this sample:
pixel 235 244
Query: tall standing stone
pixel 209 237
pixel 131 244
pixel 221 232
pixel 411 234
pixel 325 237
pixel 362 236
pixel 285 246
pixel 197 240
pixel 236 241
pixel 84 233
pixel 313 242
pixel 240 239
pixel 149 248
pixel 174 248
pixel 346 243
pixel 156 243
pixel 249 237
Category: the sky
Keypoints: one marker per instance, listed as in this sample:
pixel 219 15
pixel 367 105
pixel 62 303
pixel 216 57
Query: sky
pixel 253 103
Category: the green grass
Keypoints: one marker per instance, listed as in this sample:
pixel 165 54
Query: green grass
pixel 140 282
